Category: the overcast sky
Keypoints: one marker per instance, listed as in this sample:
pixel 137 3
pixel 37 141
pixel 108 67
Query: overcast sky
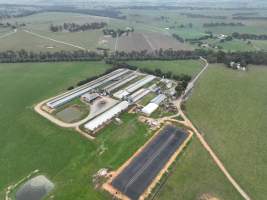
pixel 132 1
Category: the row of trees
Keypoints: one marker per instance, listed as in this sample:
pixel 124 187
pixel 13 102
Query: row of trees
pixel 25 56
pixel 168 54
pixel 73 27
pixel 248 36
pixel 193 40
pixel 256 58
pixel 249 18
pixel 222 24
pixel 191 15
pixel 13 26
pixel 118 32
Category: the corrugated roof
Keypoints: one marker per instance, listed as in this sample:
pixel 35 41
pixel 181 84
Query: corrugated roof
pixel 106 116
pixel 158 99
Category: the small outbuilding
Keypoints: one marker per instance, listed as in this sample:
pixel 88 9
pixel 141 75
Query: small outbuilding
pixel 90 97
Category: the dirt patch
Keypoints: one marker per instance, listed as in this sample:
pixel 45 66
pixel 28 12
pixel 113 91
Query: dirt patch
pixel 101 105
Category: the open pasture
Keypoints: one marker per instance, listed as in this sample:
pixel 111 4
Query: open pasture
pixel 68 159
pixel 189 67
pixel 229 106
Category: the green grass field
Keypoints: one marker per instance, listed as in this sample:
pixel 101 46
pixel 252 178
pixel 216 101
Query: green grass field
pixel 229 107
pixel 190 67
pixel 195 174
pixel 30 142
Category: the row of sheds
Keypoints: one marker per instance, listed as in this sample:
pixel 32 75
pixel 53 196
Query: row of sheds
pixel 77 92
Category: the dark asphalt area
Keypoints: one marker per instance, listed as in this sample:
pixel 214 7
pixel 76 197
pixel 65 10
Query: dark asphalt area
pixel 141 171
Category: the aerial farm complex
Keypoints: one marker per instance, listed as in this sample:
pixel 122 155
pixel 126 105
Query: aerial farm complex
pixel 92 106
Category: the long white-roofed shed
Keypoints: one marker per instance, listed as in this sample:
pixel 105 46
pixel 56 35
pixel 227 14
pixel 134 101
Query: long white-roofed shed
pixel 106 116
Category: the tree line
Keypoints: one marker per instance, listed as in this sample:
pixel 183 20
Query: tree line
pixel 222 24
pixel 193 40
pixel 73 27
pixel 25 56
pixel 249 17
pixel 191 15
pixel 256 58
pixel 117 33
pixel 248 36
pixel 167 54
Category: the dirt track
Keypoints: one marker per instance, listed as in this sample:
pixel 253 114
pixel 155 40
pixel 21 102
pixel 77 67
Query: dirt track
pixel 53 40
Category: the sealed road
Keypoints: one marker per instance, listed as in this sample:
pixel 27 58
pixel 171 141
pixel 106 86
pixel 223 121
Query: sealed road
pixel 141 171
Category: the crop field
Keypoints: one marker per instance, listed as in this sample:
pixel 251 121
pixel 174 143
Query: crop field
pixel 229 106
pixel 150 33
pixel 22 40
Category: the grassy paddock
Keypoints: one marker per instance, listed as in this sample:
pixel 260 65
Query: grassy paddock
pixel 190 67
pixel 195 174
pixel 229 107
pixel 30 142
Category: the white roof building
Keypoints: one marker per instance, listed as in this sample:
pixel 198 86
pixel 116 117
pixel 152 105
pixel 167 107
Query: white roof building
pixel 120 94
pixel 158 99
pixel 79 91
pixel 106 116
pixel 150 108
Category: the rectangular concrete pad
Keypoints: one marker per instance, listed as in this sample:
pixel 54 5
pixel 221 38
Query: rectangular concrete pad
pixel 141 171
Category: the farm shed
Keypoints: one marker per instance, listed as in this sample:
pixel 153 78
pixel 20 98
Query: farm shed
pixel 90 97
pixel 68 96
pixel 150 108
pixel 158 99
pixel 154 104
pixel 135 86
pixel 106 116
pixel 139 95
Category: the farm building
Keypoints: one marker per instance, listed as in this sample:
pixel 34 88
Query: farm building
pixel 106 116
pixel 153 105
pixel 150 108
pixel 133 87
pixel 159 99
pixel 90 97
pixel 77 92
pixel 138 95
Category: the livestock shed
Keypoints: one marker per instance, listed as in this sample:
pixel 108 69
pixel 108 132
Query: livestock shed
pixel 158 99
pixel 77 92
pixel 106 116
pixel 139 95
pixel 133 87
